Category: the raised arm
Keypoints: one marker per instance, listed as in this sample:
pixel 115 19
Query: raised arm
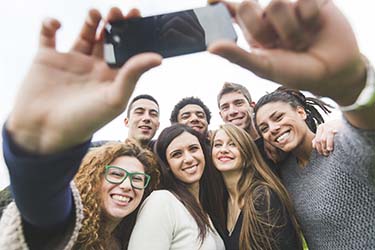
pixel 63 100
pixel 66 97
pixel 307 45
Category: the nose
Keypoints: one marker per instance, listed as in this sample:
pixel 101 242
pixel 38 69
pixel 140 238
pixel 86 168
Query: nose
pixel 224 148
pixel 188 158
pixel 232 110
pixel 194 119
pixel 126 185
pixel 274 127
pixel 146 118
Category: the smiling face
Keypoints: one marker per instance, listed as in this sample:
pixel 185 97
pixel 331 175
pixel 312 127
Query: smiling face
pixel 282 125
pixel 119 200
pixel 185 158
pixel 236 110
pixel 143 120
pixel 193 116
pixel 225 154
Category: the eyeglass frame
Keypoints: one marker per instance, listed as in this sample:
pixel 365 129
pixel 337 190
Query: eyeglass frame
pixel 147 180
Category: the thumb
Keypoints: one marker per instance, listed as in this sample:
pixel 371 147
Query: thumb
pixel 255 61
pixel 132 70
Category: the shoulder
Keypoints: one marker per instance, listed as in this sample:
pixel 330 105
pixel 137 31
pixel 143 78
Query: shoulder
pixel 12 234
pixel 355 136
pixel 96 144
pixel 266 199
pixel 161 195
pixel 160 199
pixel 5 198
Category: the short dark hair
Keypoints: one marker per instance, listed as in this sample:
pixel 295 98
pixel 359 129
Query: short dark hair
pixel 138 97
pixel 230 87
pixel 186 101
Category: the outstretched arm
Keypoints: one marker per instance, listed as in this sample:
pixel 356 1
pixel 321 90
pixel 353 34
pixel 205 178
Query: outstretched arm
pixel 63 100
pixel 66 97
pixel 307 45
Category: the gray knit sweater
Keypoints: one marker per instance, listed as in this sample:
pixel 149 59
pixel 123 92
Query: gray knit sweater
pixel 12 236
pixel 335 196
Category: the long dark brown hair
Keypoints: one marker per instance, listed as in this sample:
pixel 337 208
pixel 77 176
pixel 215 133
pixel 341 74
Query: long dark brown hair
pixel 255 186
pixel 209 185
pixel 94 234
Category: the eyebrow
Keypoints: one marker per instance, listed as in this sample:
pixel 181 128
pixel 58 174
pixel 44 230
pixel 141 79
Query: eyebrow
pixel 138 108
pixel 144 109
pixel 273 114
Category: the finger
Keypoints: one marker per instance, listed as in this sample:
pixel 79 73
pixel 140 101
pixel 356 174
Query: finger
pixel 114 14
pixel 133 13
pixel 283 17
pixel 130 72
pixel 277 65
pixel 256 28
pixel 307 11
pixel 87 37
pixel 47 37
pixel 231 6
pixel 330 140
pixel 318 140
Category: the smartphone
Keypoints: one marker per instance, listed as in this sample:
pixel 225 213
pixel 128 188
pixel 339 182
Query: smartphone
pixel 170 34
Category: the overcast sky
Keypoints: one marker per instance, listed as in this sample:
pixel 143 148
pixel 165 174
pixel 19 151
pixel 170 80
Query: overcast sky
pixel 200 74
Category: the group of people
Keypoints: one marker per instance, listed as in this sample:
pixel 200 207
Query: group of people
pixel 257 182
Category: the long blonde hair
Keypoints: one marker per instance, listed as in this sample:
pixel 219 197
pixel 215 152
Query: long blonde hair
pixel 255 186
pixel 94 234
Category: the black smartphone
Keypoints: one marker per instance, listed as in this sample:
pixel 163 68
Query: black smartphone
pixel 170 34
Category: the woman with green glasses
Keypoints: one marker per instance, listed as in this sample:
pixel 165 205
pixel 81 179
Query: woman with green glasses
pixel 109 186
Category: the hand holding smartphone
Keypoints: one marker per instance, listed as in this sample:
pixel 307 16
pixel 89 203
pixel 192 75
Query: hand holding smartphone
pixel 170 34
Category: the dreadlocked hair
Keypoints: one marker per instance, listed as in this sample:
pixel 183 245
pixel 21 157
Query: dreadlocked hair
pixel 296 99
pixel 89 179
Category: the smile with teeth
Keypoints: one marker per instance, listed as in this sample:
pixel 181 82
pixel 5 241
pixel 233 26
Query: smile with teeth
pixel 191 169
pixel 282 137
pixel 236 119
pixel 121 198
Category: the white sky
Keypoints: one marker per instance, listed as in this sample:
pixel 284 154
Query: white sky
pixel 200 74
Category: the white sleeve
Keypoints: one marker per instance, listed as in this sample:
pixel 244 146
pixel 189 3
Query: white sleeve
pixel 155 225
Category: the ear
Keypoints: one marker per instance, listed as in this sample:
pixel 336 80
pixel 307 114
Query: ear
pixel 301 112
pixel 252 104
pixel 126 122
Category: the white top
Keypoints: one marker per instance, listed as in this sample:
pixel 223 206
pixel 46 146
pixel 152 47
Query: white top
pixel 164 223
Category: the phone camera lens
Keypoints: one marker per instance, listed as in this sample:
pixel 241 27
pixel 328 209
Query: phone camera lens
pixel 117 39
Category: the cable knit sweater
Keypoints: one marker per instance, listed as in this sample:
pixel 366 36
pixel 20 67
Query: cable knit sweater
pixel 335 196
pixel 12 236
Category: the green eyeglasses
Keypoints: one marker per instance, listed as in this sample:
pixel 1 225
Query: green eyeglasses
pixel 117 175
